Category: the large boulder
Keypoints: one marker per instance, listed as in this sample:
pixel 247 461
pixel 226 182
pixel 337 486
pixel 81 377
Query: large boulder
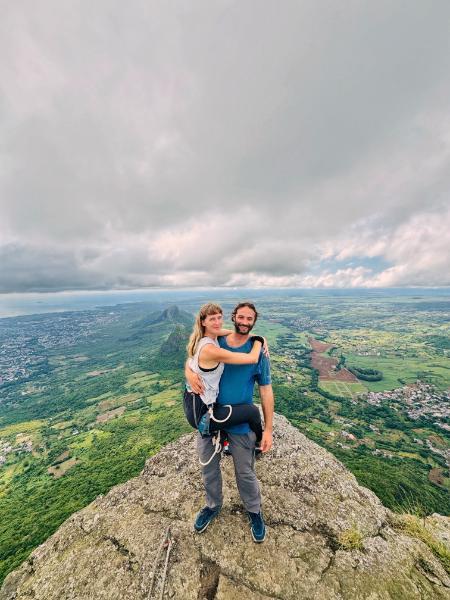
pixel 328 537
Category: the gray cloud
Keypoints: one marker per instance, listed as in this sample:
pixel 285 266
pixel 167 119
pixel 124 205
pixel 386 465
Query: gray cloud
pixel 222 143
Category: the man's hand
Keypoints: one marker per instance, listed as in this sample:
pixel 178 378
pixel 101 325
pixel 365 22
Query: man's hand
pixel 267 402
pixel 266 442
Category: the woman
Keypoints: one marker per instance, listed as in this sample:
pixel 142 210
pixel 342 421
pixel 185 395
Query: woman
pixel 207 359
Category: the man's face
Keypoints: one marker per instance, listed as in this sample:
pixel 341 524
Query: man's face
pixel 244 320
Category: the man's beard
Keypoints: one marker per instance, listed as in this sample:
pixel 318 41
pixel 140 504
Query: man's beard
pixel 245 328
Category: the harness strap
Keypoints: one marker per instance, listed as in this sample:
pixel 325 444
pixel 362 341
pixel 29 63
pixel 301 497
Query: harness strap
pixel 213 418
pixel 216 439
pixel 217 449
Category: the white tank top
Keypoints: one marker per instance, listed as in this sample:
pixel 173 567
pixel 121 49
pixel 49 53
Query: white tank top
pixel 211 378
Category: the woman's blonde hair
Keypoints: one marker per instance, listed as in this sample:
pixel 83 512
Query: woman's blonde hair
pixel 199 330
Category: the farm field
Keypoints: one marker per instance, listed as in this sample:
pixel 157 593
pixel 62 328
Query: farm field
pixel 398 371
pixel 343 388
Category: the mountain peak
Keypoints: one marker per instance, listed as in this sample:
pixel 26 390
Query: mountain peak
pixel 169 316
pixel 172 352
pixel 328 538
pixel 171 313
pixel 174 315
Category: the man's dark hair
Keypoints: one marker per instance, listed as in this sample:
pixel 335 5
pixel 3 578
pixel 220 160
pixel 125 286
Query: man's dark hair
pixel 241 305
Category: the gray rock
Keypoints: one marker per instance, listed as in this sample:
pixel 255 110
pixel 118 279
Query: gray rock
pixel 328 537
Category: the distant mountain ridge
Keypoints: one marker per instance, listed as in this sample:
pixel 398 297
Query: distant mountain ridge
pixel 159 323
pixel 172 352
pixel 175 315
pixel 171 314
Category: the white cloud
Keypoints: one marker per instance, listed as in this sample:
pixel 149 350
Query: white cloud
pixel 223 144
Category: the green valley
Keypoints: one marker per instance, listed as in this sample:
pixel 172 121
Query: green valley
pixel 86 396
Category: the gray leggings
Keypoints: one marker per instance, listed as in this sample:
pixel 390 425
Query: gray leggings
pixel 242 449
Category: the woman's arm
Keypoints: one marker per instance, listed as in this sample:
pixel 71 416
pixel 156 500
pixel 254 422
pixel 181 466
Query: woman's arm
pixel 211 352
pixel 225 332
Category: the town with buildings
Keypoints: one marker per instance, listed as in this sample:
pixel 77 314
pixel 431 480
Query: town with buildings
pixel 419 400
pixel 25 342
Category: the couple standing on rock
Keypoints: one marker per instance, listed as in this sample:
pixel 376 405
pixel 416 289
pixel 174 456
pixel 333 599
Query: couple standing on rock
pixel 221 372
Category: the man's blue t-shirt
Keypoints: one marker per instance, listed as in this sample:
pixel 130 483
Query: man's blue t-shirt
pixel 237 381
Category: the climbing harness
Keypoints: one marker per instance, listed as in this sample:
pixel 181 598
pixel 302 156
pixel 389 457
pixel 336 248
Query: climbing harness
pixel 213 418
pixel 203 428
pixel 217 448
pixel 204 424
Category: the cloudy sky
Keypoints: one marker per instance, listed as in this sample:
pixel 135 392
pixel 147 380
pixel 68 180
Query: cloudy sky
pixel 177 143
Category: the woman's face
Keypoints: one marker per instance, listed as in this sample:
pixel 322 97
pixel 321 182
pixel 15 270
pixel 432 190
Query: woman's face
pixel 213 323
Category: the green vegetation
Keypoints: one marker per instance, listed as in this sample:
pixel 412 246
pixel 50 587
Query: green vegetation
pixel 104 458
pixel 94 406
pixel 351 539
pixel 386 449
pixel 89 426
pixel 398 371
pixel 413 526
pixel 366 374
pixel 341 389
pixel 395 479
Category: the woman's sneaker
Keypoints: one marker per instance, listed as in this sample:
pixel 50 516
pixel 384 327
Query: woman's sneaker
pixel 204 518
pixel 257 526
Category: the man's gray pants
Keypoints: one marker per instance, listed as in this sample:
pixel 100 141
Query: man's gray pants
pixel 242 448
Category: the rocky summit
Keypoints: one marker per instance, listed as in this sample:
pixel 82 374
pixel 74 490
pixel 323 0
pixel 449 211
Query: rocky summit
pixel 328 537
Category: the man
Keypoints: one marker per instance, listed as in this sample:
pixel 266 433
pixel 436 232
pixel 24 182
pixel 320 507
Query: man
pixel 236 387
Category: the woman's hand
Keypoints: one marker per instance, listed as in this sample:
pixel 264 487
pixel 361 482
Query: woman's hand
pixel 194 380
pixel 266 349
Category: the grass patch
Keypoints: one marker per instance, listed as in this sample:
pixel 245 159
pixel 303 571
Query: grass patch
pixel 86 440
pixel 141 377
pixel 8 473
pixel 24 427
pixel 111 414
pixel 61 469
pixel 269 330
pixel 415 527
pixel 166 397
pixel 398 369
pixel 95 399
pixel 116 401
pixel 62 425
pixel 351 539
pixel 343 388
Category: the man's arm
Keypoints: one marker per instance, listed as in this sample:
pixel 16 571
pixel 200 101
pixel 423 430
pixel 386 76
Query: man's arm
pixel 224 332
pixel 194 380
pixel 267 403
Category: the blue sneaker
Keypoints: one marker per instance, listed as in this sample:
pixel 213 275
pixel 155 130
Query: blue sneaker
pixel 257 526
pixel 204 518
pixel 204 425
